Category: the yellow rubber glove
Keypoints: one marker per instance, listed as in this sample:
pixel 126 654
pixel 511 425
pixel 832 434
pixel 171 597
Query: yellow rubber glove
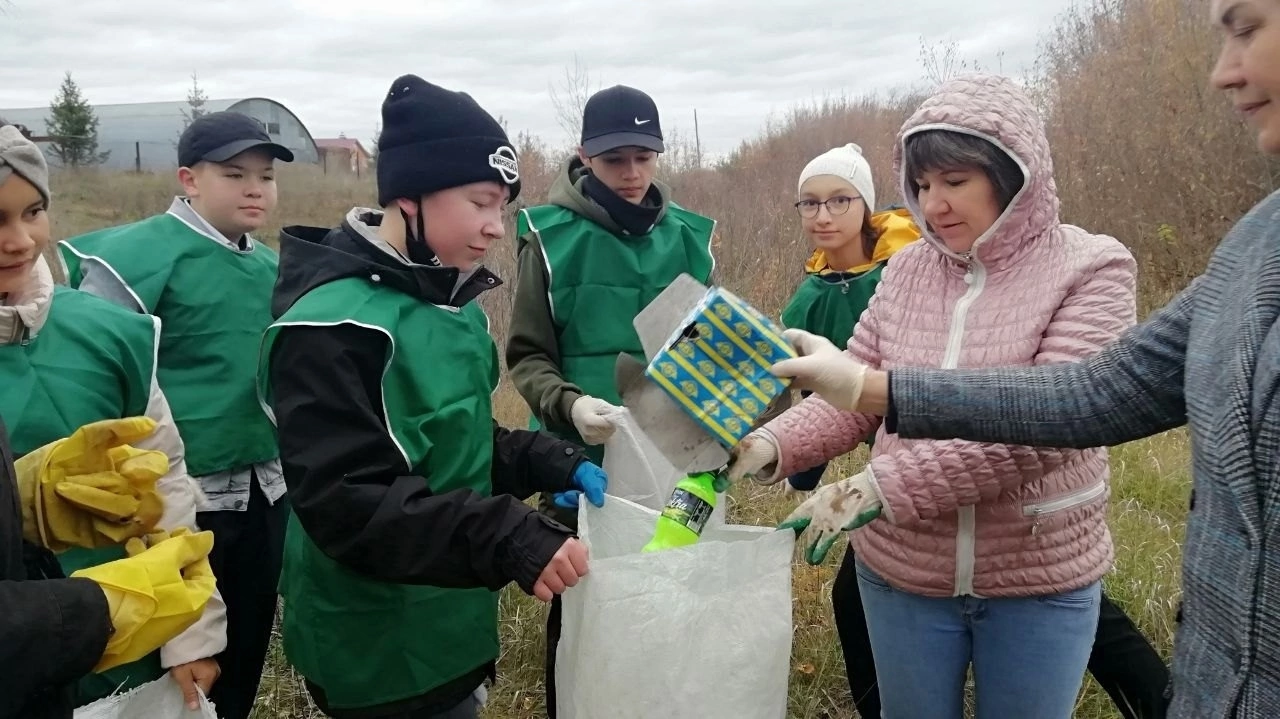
pixel 92 489
pixel 155 593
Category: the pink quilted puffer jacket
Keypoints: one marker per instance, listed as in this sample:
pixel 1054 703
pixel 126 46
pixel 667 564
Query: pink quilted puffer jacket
pixel 963 518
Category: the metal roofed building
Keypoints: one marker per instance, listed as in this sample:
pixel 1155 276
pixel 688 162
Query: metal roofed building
pixel 144 135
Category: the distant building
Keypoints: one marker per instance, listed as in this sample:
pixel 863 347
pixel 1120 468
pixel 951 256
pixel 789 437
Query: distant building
pixel 144 135
pixel 343 155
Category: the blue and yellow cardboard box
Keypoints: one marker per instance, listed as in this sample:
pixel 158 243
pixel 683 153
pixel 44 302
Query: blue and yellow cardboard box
pixel 716 366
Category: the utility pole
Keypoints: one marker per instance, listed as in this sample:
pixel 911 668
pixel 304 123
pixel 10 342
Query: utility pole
pixel 697 139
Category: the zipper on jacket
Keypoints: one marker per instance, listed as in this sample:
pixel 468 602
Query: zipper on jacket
pixel 966 525
pixel 20 334
pixel 1063 503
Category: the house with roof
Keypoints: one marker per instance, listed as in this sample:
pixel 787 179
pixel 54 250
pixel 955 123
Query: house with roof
pixel 343 154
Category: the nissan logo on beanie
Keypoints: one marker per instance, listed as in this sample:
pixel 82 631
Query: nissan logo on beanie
pixel 504 161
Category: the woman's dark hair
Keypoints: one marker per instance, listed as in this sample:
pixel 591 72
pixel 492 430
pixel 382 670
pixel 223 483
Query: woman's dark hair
pixel 949 150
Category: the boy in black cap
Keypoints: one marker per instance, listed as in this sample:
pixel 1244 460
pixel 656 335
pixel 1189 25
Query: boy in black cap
pixel 608 241
pixel 197 269
pixel 406 493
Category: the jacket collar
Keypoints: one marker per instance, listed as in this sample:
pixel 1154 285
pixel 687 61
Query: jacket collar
pixel 23 313
pixel 181 208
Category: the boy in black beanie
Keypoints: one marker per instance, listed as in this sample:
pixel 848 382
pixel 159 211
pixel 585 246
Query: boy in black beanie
pixel 406 493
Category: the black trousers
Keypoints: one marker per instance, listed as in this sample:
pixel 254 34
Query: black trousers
pixel 247 549
pixel 1123 662
pixel 553 641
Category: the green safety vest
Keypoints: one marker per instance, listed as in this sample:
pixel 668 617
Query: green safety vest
pixel 90 361
pixel 436 388
pixel 597 282
pixel 831 307
pixel 214 303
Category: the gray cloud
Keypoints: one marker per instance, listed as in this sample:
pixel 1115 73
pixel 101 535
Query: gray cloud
pixel 330 61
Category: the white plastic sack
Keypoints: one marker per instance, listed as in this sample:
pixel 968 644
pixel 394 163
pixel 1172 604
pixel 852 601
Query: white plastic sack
pixel 638 471
pixel 699 631
pixel 160 699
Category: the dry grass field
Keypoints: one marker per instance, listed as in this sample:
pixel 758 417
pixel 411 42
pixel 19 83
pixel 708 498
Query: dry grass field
pixel 1144 150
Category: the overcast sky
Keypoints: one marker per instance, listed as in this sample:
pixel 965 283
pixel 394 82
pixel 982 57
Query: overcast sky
pixel 331 61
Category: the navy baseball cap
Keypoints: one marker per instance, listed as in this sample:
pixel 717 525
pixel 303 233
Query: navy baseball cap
pixel 620 116
pixel 220 136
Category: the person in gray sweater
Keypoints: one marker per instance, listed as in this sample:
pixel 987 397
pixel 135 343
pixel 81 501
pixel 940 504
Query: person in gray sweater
pixel 1210 360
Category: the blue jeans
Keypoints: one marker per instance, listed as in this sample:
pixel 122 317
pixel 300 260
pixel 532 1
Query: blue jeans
pixel 1028 654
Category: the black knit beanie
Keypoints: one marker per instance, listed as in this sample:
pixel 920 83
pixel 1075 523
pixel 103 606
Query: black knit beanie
pixel 433 139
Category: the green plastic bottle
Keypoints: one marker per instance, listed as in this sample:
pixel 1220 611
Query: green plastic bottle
pixel 686 513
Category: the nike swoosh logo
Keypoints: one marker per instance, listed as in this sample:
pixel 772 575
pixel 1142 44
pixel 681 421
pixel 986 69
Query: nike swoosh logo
pixel 642 122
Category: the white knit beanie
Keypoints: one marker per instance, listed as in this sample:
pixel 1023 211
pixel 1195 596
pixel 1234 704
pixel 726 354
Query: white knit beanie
pixel 847 163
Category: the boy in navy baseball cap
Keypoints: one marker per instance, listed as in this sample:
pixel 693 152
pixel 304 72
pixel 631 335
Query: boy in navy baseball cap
pixel 197 268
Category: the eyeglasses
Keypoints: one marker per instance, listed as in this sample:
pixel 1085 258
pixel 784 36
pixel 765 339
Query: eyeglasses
pixel 836 206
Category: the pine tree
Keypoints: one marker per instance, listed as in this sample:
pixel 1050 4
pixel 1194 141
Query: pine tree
pixel 195 103
pixel 74 127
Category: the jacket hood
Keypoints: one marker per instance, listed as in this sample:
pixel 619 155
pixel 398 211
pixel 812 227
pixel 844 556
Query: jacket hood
pixel 897 230
pixel 995 109
pixel 23 313
pixel 566 192
pixel 313 256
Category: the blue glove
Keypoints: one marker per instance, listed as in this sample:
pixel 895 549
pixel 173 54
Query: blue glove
pixel 588 479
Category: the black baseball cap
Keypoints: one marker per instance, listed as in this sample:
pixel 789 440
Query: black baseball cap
pixel 220 136
pixel 620 116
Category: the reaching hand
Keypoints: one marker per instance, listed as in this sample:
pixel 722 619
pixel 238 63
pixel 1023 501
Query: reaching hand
pixel 567 566
pixel 824 369
pixel 832 510
pixel 201 673
pixel 588 479
pixel 591 419
pixel 756 454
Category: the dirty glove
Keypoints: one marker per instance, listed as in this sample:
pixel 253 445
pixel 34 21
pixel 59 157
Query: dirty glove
pixel 822 368
pixel 155 593
pixel 833 509
pixel 588 479
pixel 92 489
pixel 756 456
pixel 591 419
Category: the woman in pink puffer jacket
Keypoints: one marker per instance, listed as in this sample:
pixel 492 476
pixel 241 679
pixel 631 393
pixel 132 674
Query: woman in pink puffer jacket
pixel 982 554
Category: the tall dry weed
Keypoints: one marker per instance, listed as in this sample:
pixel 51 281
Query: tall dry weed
pixel 1144 150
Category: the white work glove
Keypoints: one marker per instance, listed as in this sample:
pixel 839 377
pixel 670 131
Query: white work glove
pixel 755 455
pixel 591 419
pixel 832 510
pixel 824 369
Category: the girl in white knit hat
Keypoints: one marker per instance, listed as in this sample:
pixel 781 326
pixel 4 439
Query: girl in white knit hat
pixel 851 246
